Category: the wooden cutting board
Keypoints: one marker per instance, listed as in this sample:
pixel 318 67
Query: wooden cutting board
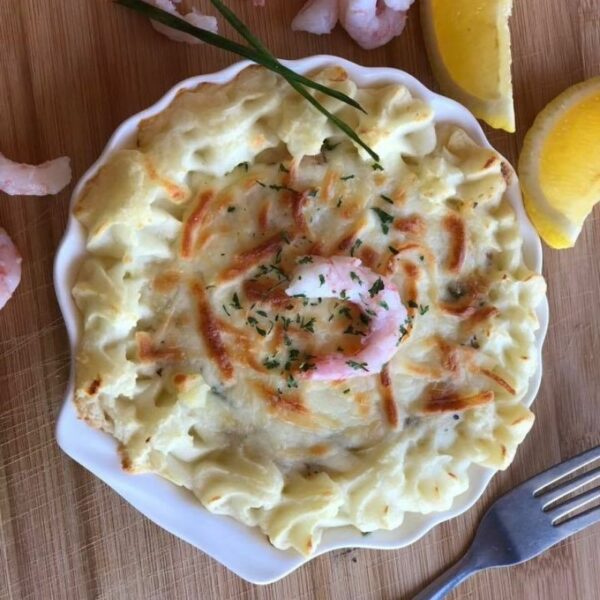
pixel 70 72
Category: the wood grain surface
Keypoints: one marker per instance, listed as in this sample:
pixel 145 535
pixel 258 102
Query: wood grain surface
pixel 70 72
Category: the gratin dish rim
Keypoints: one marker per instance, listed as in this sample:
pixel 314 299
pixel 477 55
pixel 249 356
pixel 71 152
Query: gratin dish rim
pixel 244 550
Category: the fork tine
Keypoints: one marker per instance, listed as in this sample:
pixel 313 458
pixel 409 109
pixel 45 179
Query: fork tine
pixel 571 526
pixel 569 486
pixel 562 510
pixel 537 483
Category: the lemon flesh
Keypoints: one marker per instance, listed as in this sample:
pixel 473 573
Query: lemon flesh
pixel 560 164
pixel 468 43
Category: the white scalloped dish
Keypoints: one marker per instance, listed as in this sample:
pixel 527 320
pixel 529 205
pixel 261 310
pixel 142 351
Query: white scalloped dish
pixel 245 550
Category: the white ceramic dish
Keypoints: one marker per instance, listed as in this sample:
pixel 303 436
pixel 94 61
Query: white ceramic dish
pixel 244 550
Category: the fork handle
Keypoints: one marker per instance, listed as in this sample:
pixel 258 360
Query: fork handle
pixel 451 578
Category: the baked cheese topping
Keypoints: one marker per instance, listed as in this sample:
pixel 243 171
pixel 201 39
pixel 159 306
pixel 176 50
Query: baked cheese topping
pixel 196 359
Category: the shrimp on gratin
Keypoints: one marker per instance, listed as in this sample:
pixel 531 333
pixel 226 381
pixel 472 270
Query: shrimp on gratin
pixel 10 268
pixel 345 278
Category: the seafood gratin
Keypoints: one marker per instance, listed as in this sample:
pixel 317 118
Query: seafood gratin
pixel 301 337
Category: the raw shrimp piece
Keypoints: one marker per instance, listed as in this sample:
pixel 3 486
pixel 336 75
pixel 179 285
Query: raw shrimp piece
pixel 31 180
pixel 194 18
pixel 345 277
pixel 373 23
pixel 317 16
pixel 10 268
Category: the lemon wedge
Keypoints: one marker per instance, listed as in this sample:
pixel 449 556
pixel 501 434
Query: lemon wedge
pixel 559 166
pixel 468 43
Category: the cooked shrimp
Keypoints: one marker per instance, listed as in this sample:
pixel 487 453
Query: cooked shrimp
pixel 373 23
pixel 193 18
pixel 30 180
pixel 345 277
pixel 10 268
pixel 317 16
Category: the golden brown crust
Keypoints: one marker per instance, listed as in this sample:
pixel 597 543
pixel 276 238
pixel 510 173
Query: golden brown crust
pixel 499 380
pixel 148 353
pixel 464 297
pixel 444 401
pixel 175 192
pixel 248 259
pixel 193 223
pixel 457 248
pixel 210 332
pixel 414 225
pixel 389 404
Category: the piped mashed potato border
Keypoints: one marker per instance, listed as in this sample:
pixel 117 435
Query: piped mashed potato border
pixel 176 423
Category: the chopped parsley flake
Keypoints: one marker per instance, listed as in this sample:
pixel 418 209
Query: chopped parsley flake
pixel 357 365
pixel 321 279
pixel 291 382
pixel 245 165
pixel 286 323
pixel 252 321
pixel 283 169
pixel 423 309
pixel 261 183
pixel 403 332
pixel 386 198
pixel 262 313
pixel 271 363
pixel 330 318
pixel 339 202
pixel 261 332
pixel 230 209
pixel 308 325
pixel 235 302
pixel 278 188
pixel 370 312
pixel 346 177
pixel 376 167
pixel 313 193
pixel 226 311
pixel 376 287
pixel 357 244
pixel 412 304
pixel 384 304
pixel 346 391
pixel 345 311
pixel 305 259
pixel 287 340
pixel 343 294
pixel 393 250
pixel 364 319
pixel 284 237
pixel 421 258
pixel 355 277
pixel 384 218
pixel 280 274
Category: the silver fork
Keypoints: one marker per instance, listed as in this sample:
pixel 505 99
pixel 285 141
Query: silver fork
pixel 526 521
